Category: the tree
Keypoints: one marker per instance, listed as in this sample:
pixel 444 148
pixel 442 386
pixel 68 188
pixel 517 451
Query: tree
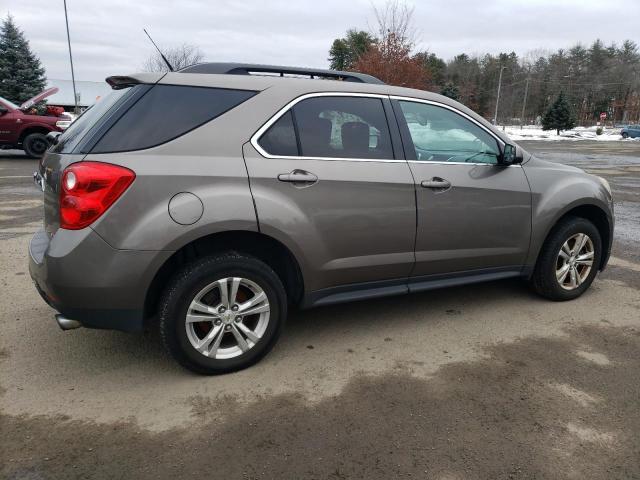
pixel 389 58
pixel 396 18
pixel 436 67
pixel 451 91
pixel 21 73
pixel 345 52
pixel 179 57
pixel 559 116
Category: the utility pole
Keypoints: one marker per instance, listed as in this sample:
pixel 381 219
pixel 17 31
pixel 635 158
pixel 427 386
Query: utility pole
pixel 495 116
pixel 73 78
pixel 524 103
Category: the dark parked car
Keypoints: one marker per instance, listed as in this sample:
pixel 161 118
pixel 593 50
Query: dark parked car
pixel 630 131
pixel 22 128
pixel 213 199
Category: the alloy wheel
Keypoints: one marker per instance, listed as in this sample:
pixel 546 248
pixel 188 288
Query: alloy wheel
pixel 227 318
pixel 574 261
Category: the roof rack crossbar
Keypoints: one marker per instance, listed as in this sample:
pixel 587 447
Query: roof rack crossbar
pixel 248 69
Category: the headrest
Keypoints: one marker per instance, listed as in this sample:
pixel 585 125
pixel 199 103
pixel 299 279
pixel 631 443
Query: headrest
pixel 355 137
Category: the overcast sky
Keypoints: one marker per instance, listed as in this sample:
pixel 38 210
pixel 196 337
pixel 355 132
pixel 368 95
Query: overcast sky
pixel 107 35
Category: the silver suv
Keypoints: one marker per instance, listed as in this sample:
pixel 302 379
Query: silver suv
pixel 212 199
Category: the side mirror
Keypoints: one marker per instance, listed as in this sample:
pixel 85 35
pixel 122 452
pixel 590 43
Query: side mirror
pixel 3 110
pixel 52 137
pixel 510 155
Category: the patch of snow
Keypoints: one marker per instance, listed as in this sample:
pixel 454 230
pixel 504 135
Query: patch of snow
pixel 531 132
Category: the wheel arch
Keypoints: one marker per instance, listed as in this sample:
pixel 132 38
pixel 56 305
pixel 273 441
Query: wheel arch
pixel 596 215
pixel 33 129
pixel 264 247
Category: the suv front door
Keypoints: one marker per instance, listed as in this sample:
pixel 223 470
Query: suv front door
pixel 328 183
pixel 473 214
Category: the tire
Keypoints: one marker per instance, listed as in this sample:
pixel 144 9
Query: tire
pixel 625 135
pixel 551 262
pixel 220 355
pixel 35 145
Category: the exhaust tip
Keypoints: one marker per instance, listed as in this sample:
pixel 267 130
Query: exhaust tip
pixel 66 323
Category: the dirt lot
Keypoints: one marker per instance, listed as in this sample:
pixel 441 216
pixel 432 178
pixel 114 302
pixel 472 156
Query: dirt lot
pixel 478 382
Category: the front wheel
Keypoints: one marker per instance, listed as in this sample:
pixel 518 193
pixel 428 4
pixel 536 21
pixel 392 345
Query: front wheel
pixel 568 261
pixel 222 313
pixel 35 145
pixel 625 135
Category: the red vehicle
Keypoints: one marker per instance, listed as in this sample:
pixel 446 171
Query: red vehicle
pixel 23 128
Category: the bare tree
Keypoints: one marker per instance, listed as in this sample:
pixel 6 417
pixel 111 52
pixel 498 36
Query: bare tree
pixel 179 57
pixel 396 18
pixel 390 56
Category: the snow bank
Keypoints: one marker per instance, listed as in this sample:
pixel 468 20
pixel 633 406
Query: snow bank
pixel 530 132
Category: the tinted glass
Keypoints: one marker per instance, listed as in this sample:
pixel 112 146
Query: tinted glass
pixel 343 127
pixel 441 135
pixel 280 139
pixel 165 112
pixel 82 125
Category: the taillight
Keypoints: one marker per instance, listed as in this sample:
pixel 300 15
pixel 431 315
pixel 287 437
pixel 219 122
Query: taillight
pixel 88 189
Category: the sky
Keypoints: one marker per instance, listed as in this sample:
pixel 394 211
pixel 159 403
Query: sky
pixel 107 36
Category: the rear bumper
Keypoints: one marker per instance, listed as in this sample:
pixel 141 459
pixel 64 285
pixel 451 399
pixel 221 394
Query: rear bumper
pixel 85 279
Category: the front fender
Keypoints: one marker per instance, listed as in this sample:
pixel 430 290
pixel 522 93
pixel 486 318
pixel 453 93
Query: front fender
pixel 556 191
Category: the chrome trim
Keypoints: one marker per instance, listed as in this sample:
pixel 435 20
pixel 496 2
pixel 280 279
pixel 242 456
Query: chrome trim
pixel 448 107
pixel 428 162
pixel 256 136
pixel 285 109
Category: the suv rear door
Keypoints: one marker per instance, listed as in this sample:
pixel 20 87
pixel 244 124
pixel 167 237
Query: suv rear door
pixel 328 181
pixel 472 213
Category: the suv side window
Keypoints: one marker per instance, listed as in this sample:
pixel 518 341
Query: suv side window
pixel 441 135
pixel 280 138
pixel 166 112
pixel 343 127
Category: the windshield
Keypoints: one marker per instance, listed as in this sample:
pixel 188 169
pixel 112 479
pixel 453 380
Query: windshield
pixel 8 103
pixel 81 126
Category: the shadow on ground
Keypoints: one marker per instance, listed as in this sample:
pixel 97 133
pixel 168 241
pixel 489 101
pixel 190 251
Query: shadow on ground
pixel 537 408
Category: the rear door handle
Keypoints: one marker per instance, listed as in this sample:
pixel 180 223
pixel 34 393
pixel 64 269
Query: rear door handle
pixel 436 183
pixel 298 176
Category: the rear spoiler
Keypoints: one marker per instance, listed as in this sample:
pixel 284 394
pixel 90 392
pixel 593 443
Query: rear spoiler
pixel 118 82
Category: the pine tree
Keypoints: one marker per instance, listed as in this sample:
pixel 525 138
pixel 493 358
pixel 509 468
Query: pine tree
pixel 559 116
pixel 344 52
pixel 21 73
pixel 451 91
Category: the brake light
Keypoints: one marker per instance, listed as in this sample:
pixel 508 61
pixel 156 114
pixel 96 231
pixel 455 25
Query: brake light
pixel 88 189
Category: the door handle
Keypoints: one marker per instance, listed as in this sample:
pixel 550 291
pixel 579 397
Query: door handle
pixel 298 176
pixel 436 183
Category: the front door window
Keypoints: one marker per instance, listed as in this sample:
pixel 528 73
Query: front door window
pixel 440 135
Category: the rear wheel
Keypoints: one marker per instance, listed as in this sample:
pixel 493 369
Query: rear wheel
pixel 625 135
pixel 35 144
pixel 222 313
pixel 569 260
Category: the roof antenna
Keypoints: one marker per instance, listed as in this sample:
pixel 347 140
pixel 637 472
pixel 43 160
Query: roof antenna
pixel 161 54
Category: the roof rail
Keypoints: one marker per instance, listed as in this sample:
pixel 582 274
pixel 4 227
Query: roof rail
pixel 248 69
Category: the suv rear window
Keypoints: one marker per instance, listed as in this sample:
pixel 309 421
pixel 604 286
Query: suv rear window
pixel 280 139
pixel 343 127
pixel 331 127
pixel 92 117
pixel 166 112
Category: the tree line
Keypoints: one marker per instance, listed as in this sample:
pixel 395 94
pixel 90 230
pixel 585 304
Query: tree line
pixel 592 79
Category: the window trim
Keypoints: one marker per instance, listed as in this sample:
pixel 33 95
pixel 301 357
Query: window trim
pixel 256 136
pixel 501 143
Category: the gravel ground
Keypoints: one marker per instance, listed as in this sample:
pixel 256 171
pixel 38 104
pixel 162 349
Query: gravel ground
pixel 478 382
